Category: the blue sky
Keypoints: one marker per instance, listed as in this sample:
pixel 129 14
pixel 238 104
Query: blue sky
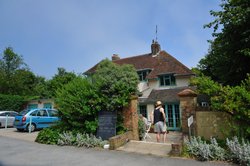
pixel 77 34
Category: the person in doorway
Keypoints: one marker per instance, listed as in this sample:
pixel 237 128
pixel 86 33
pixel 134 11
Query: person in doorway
pixel 159 121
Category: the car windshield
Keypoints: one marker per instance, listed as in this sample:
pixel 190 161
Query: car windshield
pixel 24 112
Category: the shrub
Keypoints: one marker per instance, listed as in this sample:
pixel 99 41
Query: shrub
pixel 239 152
pixel 115 84
pixel 202 151
pixel 48 136
pixel 218 153
pixel 80 140
pixel 141 128
pixel 77 105
pixel 11 102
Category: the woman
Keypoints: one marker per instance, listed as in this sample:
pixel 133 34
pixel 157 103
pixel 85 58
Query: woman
pixel 159 121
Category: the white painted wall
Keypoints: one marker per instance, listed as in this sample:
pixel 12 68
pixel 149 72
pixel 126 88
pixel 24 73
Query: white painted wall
pixel 147 87
pixel 150 108
pixel 40 103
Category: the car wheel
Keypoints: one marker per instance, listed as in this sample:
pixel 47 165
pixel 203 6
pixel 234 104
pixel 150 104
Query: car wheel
pixel 33 127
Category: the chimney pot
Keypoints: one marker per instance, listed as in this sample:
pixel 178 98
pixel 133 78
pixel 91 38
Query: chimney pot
pixel 115 57
pixel 155 47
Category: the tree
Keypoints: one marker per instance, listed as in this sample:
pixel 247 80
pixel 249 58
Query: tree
pixel 11 62
pixel 115 84
pixel 234 100
pixel 228 58
pixel 59 80
pixel 15 77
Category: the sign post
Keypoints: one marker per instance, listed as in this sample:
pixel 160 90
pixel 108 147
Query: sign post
pixel 30 124
pixel 6 122
pixel 190 122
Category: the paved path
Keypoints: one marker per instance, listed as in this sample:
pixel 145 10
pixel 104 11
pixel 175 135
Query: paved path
pixel 16 152
pixel 13 133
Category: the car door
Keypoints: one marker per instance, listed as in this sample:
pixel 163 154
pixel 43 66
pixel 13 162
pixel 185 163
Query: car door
pixel 42 118
pixel 2 119
pixel 7 117
pixel 53 116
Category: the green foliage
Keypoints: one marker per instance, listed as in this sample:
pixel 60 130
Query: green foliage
pixel 77 105
pixel 141 128
pixel 115 84
pixel 229 56
pixel 120 129
pixel 58 81
pixel 56 136
pixel 234 100
pixel 15 77
pixel 11 62
pixel 206 86
pixel 48 136
pixel 11 102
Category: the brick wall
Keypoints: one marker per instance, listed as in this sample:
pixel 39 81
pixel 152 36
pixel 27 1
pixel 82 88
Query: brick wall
pixel 188 102
pixel 119 140
pixel 131 117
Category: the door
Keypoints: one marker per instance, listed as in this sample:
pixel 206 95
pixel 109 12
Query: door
pixel 173 116
pixel 47 105
pixel 32 106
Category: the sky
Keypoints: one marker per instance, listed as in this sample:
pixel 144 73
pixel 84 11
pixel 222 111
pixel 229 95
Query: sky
pixel 77 34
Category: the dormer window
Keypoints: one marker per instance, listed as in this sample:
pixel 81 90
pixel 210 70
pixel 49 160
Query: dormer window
pixel 167 80
pixel 143 74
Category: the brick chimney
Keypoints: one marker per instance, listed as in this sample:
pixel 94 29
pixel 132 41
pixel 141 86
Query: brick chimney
pixel 155 47
pixel 115 57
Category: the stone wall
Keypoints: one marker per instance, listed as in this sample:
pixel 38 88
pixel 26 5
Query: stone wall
pixel 212 124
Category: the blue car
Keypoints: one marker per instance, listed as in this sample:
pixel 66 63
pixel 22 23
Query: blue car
pixel 38 118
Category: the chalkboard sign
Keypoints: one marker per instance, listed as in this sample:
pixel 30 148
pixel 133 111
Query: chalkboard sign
pixel 106 124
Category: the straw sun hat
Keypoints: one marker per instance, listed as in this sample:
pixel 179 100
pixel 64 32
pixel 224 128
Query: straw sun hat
pixel 158 103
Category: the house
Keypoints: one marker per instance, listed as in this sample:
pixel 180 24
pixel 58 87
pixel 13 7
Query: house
pixel 41 103
pixel 162 77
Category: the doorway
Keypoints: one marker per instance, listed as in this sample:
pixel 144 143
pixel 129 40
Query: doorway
pixel 173 116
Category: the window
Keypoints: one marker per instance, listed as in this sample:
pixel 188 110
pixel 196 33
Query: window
pixel 167 80
pixel 143 74
pixel 143 110
pixel 204 104
pixel 53 113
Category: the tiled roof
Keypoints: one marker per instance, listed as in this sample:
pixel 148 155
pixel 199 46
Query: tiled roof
pixel 163 63
pixel 165 95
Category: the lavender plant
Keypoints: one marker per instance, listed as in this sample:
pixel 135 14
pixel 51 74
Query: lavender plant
pixel 203 151
pixel 218 153
pixel 80 140
pixel 239 152
pixel 66 138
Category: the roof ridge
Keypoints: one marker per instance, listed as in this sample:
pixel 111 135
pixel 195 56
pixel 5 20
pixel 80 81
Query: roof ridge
pixel 132 57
